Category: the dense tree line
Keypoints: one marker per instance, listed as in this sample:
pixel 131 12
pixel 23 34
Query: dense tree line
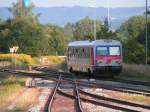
pixel 24 30
pixel 132 34
pixel 84 30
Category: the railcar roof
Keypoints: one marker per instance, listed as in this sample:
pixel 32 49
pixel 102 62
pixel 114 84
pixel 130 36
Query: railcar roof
pixel 96 42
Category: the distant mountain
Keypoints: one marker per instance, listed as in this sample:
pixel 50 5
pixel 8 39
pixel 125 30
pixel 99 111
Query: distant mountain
pixel 62 15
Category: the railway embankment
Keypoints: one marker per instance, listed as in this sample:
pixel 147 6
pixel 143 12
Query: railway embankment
pixel 10 87
pixel 14 96
pixel 17 96
pixel 135 72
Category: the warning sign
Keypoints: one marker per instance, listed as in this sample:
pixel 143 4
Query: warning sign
pixel 13 49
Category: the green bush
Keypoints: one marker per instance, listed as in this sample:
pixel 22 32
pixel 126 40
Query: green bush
pixel 55 59
pixel 22 58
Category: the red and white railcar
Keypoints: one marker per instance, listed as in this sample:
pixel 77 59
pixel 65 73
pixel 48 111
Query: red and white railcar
pixel 95 56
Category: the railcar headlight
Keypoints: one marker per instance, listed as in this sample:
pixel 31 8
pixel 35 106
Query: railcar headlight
pixel 118 62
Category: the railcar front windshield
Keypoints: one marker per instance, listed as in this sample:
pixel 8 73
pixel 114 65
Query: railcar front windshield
pixel 102 51
pixel 108 51
pixel 114 51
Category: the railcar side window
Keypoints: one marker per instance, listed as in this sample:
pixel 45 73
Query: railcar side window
pixel 68 53
pixel 102 51
pixel 80 52
pixel 83 53
pixel 76 50
pixel 77 53
pixel 88 52
pixel 72 53
pixel 114 51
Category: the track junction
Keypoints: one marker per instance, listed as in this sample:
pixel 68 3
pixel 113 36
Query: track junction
pixel 79 95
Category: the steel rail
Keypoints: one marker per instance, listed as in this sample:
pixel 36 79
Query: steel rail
pixel 109 87
pixel 113 88
pixel 134 82
pixel 77 98
pixel 99 103
pixel 114 100
pixel 128 89
pixel 53 93
pixel 77 94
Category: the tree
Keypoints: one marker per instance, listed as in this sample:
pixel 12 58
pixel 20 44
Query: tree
pixel 4 32
pixel 56 39
pixel 105 32
pixel 28 35
pixel 68 31
pixel 106 23
pixel 18 10
pixel 133 51
pixel 23 30
pixel 84 29
pixel 132 27
pixel 133 31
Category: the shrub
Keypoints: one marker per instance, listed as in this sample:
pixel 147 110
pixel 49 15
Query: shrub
pixel 134 71
pixel 23 58
pixel 55 59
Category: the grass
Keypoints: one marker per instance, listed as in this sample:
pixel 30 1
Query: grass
pixel 29 98
pixel 136 98
pixel 9 86
pixel 129 97
pixel 136 72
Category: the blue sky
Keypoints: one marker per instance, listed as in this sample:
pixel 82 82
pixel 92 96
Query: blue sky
pixel 86 3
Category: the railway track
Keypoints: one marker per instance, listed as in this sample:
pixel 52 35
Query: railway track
pixel 54 74
pixel 61 77
pixel 135 82
pixel 128 81
pixel 77 97
pixel 121 88
pixel 99 103
pixel 96 102
pixel 78 107
pixel 53 93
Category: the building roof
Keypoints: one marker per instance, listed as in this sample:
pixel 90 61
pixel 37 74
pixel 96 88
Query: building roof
pixel 95 43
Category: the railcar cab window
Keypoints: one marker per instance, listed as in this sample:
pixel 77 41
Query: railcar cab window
pixel 102 51
pixel 108 51
pixel 114 51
